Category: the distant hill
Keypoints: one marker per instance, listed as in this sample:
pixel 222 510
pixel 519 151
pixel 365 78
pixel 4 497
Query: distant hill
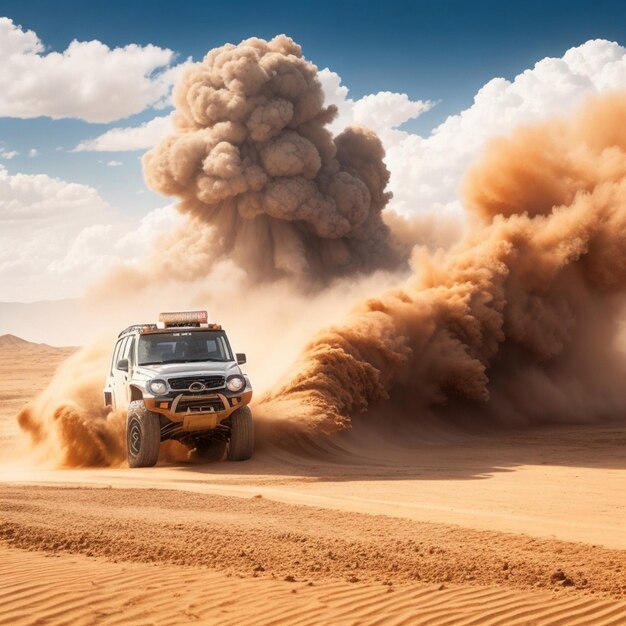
pixel 12 341
pixel 55 322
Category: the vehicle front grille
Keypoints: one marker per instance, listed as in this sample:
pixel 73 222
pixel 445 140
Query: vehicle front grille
pixel 209 382
pixel 210 405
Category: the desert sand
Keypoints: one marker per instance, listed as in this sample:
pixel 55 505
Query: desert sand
pixel 444 526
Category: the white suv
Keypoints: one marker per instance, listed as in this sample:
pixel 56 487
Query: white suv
pixel 179 379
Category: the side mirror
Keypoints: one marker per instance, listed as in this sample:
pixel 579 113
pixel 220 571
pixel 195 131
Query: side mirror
pixel 122 364
pixel 241 358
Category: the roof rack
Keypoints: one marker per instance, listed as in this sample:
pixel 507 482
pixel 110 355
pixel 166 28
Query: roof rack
pixel 175 319
pixel 139 327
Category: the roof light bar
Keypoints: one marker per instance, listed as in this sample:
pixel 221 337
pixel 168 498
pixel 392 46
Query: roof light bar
pixel 184 317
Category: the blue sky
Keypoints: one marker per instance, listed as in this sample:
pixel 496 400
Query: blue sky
pixel 442 51
pixel 436 49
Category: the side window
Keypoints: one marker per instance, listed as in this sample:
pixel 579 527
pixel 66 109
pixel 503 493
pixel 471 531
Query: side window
pixel 116 352
pixel 129 351
pixel 122 350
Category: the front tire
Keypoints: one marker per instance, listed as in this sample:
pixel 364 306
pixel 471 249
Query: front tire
pixel 241 442
pixel 143 436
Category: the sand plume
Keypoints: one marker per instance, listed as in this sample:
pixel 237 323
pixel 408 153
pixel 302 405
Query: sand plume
pixel 521 321
pixel 262 179
pixel 67 423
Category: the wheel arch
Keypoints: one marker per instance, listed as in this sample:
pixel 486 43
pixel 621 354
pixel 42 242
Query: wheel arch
pixel 135 393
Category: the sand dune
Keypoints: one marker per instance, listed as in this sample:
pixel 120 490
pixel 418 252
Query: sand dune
pixel 491 527
pixel 79 590
pixel 244 536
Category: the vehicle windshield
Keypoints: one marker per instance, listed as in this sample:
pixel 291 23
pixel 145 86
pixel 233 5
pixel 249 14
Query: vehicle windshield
pixel 183 347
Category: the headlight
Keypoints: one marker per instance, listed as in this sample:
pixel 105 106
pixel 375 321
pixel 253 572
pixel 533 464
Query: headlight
pixel 157 387
pixel 235 383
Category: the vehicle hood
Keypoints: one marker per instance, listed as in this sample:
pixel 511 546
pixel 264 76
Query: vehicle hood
pixel 201 368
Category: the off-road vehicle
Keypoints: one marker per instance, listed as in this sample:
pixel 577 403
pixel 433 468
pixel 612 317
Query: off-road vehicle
pixel 178 379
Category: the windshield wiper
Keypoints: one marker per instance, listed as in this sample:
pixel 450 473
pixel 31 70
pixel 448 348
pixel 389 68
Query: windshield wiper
pixel 173 361
pixel 183 361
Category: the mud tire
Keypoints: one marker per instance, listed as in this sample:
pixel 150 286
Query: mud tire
pixel 143 435
pixel 241 442
pixel 208 451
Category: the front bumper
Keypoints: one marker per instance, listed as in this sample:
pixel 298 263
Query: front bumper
pixel 193 412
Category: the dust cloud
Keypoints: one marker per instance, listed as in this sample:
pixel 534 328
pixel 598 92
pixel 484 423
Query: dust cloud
pixel 517 323
pixel 262 180
pixel 520 322
pixel 67 423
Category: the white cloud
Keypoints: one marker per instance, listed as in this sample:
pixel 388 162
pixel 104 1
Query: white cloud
pixel 103 245
pixel 383 112
pixel 57 237
pixel 33 152
pixel 426 171
pixel 130 138
pixel 88 80
pixel 114 163
pixel 133 244
pixel 9 154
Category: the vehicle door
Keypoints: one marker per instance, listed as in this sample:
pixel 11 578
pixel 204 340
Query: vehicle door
pixel 129 355
pixel 110 376
pixel 120 377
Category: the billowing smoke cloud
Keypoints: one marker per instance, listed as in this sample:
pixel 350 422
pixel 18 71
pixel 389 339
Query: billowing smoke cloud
pixel 262 180
pixel 518 323
pixel 67 423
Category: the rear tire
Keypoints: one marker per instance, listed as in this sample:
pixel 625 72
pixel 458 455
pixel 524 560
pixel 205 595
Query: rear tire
pixel 143 435
pixel 241 435
pixel 208 451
